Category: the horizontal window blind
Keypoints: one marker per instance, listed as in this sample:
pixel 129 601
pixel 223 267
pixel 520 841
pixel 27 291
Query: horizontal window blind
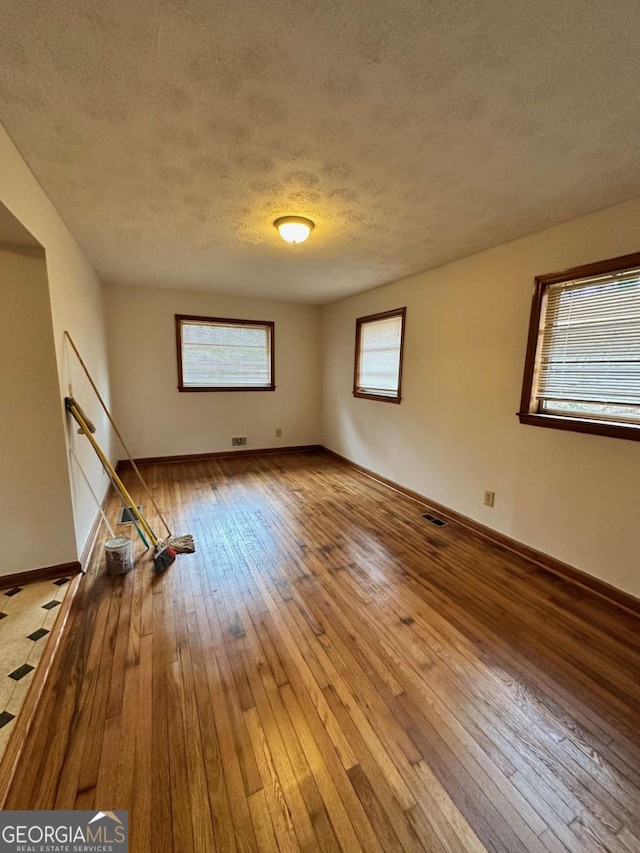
pixel 379 367
pixel 589 355
pixel 221 355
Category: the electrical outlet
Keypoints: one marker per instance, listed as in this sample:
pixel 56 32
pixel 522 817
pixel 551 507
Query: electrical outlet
pixel 489 498
pixel 239 441
pixel 278 433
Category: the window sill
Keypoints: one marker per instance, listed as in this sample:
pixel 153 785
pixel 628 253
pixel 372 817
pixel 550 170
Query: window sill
pixel 612 430
pixel 379 397
pixel 182 388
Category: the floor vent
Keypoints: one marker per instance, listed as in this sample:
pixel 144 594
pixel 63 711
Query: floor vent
pixel 126 514
pixel 437 521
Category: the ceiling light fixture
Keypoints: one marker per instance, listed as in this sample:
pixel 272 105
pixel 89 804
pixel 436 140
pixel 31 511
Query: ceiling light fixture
pixel 294 229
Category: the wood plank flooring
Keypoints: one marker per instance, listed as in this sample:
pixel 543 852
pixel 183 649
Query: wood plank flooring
pixel 331 672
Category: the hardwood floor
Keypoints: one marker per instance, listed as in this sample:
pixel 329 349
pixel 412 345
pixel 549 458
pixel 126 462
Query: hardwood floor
pixel 331 672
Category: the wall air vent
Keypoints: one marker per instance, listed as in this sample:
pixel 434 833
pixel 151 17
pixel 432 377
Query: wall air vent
pixel 437 521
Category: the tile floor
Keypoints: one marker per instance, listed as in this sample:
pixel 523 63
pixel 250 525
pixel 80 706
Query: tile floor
pixel 27 615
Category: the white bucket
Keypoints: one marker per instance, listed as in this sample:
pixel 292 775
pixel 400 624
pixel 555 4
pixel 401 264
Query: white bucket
pixel 119 555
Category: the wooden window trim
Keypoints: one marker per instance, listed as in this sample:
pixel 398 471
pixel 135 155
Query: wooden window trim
pixel 229 322
pixel 584 425
pixel 384 315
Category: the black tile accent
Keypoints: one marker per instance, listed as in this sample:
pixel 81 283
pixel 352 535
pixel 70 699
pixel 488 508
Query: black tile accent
pixel 61 581
pixel 21 671
pixel 6 717
pixel 38 635
pixel 2 615
pixel 13 591
pixel 50 605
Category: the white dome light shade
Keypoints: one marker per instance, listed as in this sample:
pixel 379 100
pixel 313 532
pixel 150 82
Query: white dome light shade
pixel 294 229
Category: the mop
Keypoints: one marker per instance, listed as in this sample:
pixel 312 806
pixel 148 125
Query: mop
pixel 163 554
pixel 180 544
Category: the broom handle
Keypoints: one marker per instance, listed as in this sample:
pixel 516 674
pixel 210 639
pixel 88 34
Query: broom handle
pixel 117 432
pixel 71 406
pixel 92 429
pixel 124 503
pixel 95 497
pixel 100 509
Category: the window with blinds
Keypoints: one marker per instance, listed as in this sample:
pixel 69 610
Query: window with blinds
pixel 587 349
pixel 224 355
pixel 378 360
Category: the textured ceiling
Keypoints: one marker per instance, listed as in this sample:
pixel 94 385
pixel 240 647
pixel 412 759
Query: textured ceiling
pixel 171 134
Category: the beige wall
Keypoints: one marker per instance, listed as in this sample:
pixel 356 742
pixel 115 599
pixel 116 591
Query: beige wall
pixel 573 496
pixel 36 520
pixel 157 420
pixel 76 300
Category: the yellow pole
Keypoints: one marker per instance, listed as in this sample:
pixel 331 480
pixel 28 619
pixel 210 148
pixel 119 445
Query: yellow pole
pixel 117 431
pixel 73 409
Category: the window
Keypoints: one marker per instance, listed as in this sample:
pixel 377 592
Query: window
pixel 224 355
pixel 582 370
pixel 378 364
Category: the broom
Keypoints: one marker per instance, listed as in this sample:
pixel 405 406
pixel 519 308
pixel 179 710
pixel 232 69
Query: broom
pixel 163 554
pixel 180 544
